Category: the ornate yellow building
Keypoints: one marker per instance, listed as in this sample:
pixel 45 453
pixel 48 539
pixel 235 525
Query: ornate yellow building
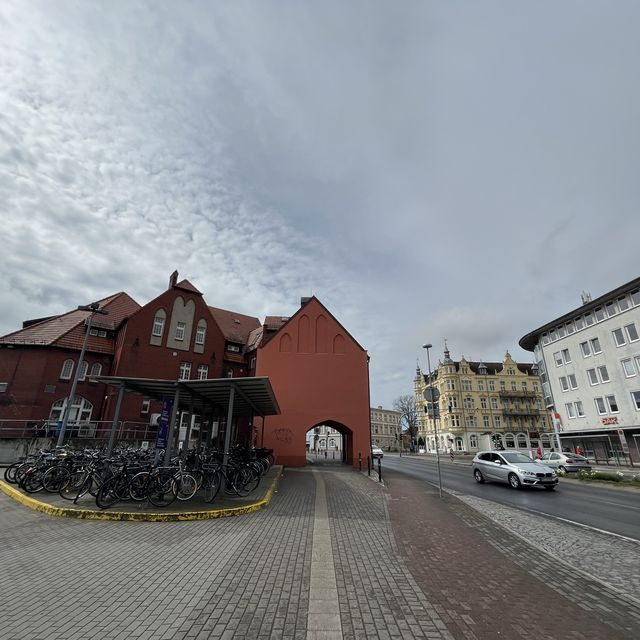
pixel 482 406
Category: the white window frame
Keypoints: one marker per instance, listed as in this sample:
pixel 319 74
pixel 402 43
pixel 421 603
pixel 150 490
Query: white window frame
pixel 67 369
pixel 571 412
pixel 82 372
pixel 573 383
pixel 579 408
pixel 635 332
pixel 557 357
pixel 611 402
pixel 564 385
pixel 146 404
pixel 618 337
pixel 180 331
pixel 96 370
pixel 3 387
pixel 202 369
pixel 234 348
pixel 201 332
pixel 601 407
pixel 629 372
pixel 595 345
pixel 606 377
pixel 158 327
pixel 585 347
pixel 592 374
pixel 185 371
pixel 635 398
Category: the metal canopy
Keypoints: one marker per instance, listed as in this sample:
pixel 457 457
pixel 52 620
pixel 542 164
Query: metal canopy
pixel 253 396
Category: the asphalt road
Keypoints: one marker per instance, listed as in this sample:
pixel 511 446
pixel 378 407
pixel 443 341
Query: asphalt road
pixel 610 509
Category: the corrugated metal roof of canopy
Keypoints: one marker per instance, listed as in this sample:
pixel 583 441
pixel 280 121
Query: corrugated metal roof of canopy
pixel 253 396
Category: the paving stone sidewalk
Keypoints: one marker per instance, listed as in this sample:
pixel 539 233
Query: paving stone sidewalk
pixel 405 565
pixel 487 583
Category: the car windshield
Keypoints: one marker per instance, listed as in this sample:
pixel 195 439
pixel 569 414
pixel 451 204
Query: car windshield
pixel 515 457
pixel 574 456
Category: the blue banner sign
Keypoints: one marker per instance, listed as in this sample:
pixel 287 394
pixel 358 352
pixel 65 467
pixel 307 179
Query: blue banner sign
pixel 163 423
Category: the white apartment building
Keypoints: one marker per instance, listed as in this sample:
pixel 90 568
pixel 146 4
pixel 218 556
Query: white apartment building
pixel 589 363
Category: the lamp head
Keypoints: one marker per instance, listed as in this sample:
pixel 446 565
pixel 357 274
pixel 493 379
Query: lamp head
pixel 427 346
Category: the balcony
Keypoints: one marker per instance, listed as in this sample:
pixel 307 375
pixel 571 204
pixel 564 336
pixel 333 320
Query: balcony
pixel 518 394
pixel 524 411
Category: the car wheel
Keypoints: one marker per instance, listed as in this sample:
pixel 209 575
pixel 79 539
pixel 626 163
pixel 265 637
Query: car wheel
pixel 514 481
pixel 562 468
pixel 478 476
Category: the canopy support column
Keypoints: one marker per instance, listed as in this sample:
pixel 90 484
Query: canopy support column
pixel 172 427
pixel 116 416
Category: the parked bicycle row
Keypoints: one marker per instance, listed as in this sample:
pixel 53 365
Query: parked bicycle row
pixel 131 474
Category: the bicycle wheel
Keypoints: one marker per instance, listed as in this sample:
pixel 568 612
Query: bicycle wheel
pixel 161 489
pixel 55 478
pixel 187 486
pixel 21 471
pixel 110 492
pixel 69 490
pixel 211 485
pixel 32 481
pixel 250 479
pixel 138 486
pixel 10 472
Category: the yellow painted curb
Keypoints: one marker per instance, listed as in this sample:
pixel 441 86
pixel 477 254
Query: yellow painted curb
pixel 89 514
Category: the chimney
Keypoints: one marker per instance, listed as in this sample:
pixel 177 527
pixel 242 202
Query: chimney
pixel 173 279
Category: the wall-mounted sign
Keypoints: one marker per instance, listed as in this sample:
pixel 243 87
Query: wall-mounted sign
pixel 612 420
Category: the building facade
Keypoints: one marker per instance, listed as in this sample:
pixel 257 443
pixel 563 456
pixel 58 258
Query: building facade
pixel 589 361
pixel 481 405
pixel 318 372
pixel 386 431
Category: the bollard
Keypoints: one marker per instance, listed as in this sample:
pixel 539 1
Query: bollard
pixel 368 466
pixel 379 470
pixel 334 455
pixel 359 460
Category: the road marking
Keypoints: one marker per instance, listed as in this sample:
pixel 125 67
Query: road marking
pixel 578 524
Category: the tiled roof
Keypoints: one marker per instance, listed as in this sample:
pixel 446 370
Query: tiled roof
pixel 254 339
pixel 186 286
pixel 67 330
pixel 234 357
pixel 273 323
pixel 235 327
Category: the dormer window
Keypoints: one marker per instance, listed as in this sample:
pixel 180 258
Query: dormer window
pixel 234 348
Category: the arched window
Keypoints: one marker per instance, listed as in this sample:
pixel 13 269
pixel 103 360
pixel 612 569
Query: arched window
pixel 96 370
pixel 473 441
pixel 67 370
pixel 158 323
pixel 82 372
pixel 201 331
pixel 459 444
pixel 80 410
pixel 509 441
pixel 522 441
pixel 545 441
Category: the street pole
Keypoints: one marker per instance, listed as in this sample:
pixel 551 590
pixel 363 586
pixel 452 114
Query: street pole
pixel 94 307
pixel 435 423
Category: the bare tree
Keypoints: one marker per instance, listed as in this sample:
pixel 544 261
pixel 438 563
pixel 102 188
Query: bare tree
pixel 406 405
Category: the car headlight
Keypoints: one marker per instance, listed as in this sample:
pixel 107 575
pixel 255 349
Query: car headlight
pixel 526 473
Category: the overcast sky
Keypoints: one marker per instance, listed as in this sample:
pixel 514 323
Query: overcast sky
pixel 429 170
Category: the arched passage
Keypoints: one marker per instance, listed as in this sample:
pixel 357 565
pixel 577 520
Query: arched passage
pixel 329 441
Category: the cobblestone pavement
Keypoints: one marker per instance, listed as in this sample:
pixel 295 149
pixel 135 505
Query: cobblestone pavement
pixel 406 565
pixel 612 560
pixel 487 583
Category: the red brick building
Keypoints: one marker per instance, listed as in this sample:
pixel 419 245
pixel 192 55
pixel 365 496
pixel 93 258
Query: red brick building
pixel 318 371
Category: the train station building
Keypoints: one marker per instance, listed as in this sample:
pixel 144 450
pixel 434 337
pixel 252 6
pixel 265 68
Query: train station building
pixel 317 371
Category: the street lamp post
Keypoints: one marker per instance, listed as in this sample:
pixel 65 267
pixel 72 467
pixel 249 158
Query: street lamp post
pixel 435 423
pixel 94 307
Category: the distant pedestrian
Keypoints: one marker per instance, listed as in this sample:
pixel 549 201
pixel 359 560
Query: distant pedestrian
pixel 539 453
